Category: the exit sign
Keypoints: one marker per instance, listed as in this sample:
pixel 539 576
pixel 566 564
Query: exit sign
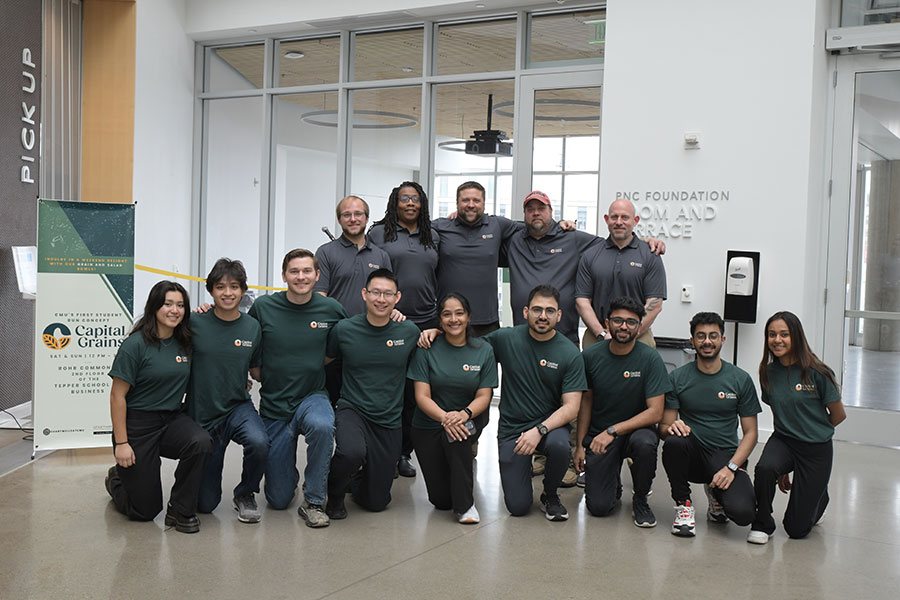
pixel 598 30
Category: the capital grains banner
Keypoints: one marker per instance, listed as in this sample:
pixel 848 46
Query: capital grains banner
pixel 85 289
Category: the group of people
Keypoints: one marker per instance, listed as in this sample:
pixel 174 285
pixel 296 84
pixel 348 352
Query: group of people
pixel 386 343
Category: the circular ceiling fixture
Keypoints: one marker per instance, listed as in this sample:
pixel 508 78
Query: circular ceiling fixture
pixel 498 108
pixel 405 120
pixel 294 54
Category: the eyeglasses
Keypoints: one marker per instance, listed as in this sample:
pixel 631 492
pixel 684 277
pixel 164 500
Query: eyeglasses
pixel 355 215
pixel 540 310
pixel 381 294
pixel 413 199
pixel 630 323
pixel 715 336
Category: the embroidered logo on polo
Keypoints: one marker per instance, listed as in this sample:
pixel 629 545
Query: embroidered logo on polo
pixel 805 387
pixel 243 343
pixel 319 324
pixel 487 236
pixel 555 250
pixel 630 374
pixel 550 365
pixel 472 368
pixel 392 343
pixel 636 264
pixel 374 266
pixel 727 396
pixel 181 359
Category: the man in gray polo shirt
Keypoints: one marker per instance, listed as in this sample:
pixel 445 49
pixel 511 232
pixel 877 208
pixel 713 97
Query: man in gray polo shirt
pixel 621 266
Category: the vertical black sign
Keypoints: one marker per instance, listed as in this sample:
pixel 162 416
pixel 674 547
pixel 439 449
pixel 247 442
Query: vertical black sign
pixel 20 144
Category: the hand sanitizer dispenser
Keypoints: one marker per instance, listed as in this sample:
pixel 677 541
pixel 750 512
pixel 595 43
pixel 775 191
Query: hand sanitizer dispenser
pixel 740 277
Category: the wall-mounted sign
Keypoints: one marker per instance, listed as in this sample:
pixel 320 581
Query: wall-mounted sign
pixel 674 213
pixel 598 31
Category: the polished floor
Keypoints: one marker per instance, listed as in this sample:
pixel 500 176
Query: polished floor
pixel 871 379
pixel 61 538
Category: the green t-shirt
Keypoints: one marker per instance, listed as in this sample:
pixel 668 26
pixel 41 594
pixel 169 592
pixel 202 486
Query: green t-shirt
pixel 158 373
pixel 375 362
pixel 622 384
pixel 799 408
pixel 711 404
pixel 223 353
pixel 293 350
pixel 454 373
pixel 535 376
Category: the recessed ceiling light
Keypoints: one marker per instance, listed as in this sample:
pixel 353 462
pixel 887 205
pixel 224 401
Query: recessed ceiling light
pixel 253 30
pixel 479 6
pixel 294 54
pixel 407 69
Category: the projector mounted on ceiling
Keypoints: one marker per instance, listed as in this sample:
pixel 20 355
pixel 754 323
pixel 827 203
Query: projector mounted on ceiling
pixel 489 142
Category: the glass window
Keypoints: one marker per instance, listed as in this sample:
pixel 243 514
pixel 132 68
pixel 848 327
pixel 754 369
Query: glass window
pixel 385 143
pixel 235 68
pixel 388 54
pixel 476 47
pixel 869 12
pixel 308 62
pixel 567 38
pixel 232 185
pixel 580 196
pixel 304 135
pixel 583 153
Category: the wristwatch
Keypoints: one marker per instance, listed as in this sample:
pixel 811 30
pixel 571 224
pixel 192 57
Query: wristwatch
pixel 733 467
pixel 467 411
pixel 542 429
pixel 611 430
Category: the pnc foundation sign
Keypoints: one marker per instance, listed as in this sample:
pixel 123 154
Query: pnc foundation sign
pixel 674 213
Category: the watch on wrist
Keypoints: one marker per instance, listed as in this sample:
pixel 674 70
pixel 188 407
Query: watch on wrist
pixel 542 429
pixel 468 411
pixel 732 467
pixel 611 430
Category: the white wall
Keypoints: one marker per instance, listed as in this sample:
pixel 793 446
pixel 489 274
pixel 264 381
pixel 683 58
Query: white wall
pixel 163 130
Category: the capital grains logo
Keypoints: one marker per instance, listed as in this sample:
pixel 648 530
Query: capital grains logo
pixel 374 266
pixel 805 387
pixel 636 264
pixel 555 250
pixel 243 343
pixel 181 359
pixel 487 236
pixel 631 374
pixel 727 395
pixel 550 365
pixel 392 343
pixel 57 336
pixel 318 324
pixel 472 368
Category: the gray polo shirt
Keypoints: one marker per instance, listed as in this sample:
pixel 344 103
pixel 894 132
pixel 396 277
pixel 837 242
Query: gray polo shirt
pixel 416 269
pixel 469 257
pixel 552 260
pixel 343 270
pixel 606 272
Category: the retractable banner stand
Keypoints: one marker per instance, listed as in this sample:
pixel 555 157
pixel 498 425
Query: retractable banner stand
pixel 85 289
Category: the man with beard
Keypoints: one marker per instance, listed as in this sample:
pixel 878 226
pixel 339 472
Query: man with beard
pixel 699 427
pixel 627 383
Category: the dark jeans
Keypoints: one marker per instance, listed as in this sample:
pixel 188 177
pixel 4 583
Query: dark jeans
pixel 686 460
pixel 515 469
pixel 446 466
pixel 245 427
pixel 603 472
pixel 811 465
pixel 137 490
pixel 365 456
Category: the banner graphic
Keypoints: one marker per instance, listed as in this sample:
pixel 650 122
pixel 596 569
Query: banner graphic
pixel 84 309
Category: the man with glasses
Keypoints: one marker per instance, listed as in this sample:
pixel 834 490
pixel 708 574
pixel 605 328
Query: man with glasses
pixel 375 352
pixel 699 429
pixel 627 383
pixel 623 265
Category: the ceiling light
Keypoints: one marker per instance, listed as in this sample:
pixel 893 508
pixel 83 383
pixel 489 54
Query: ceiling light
pixel 294 54
pixel 407 69
pixel 479 6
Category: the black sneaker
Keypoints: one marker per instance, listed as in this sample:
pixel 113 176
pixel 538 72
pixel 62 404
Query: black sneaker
pixel 112 472
pixel 405 467
pixel 553 509
pixel 182 523
pixel 643 516
pixel 335 508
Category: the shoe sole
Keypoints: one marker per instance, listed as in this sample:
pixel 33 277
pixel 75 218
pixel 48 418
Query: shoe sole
pixel 549 517
pixel 760 542
pixel 683 531
pixel 173 522
pixel 469 521
pixel 644 524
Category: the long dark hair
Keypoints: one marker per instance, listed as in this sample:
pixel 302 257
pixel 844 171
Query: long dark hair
pixel 803 356
pixel 470 338
pixel 391 220
pixel 146 325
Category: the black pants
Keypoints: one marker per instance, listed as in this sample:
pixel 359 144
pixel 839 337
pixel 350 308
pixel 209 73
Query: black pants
pixel 365 456
pixel 137 490
pixel 334 379
pixel 447 467
pixel 515 469
pixel 409 400
pixel 478 331
pixel 603 472
pixel 811 465
pixel 685 460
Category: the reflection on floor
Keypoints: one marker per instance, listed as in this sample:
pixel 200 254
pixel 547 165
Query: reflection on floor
pixel 63 539
pixel 871 379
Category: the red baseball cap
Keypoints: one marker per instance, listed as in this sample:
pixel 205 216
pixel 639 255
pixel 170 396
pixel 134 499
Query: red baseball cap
pixel 536 195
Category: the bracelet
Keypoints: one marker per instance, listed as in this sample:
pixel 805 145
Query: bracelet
pixel 468 411
pixel 120 443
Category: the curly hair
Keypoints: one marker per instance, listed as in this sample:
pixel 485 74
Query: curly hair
pixel 391 220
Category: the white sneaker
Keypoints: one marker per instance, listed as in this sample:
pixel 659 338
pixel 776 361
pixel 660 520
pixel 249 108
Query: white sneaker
pixel 684 520
pixel 758 537
pixel 470 517
pixel 714 510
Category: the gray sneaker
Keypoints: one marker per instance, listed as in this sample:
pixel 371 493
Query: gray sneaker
pixel 247 509
pixel 313 514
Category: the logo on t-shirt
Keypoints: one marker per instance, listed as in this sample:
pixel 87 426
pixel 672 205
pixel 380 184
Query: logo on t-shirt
pixel 805 387
pixel 243 343
pixel 555 250
pixel 550 365
pixel 472 368
pixel 630 374
pixel 727 395
pixel 374 266
pixel 392 343
pixel 181 359
pixel 636 264
pixel 318 324
pixel 487 236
